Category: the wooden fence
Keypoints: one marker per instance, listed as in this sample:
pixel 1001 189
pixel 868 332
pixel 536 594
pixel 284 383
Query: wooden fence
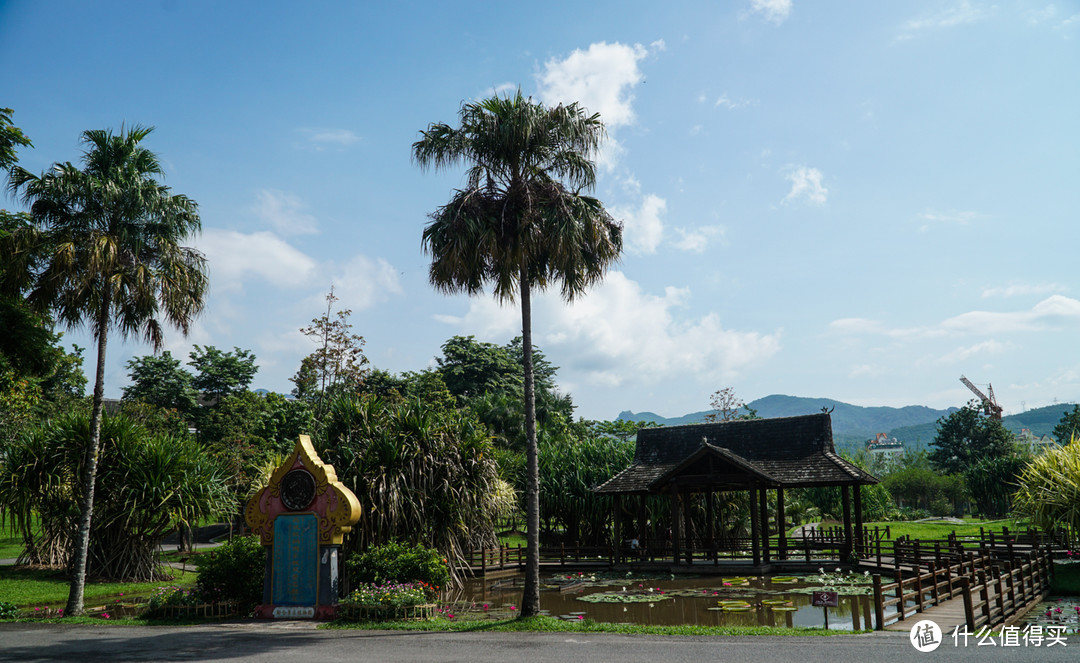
pixel 993 582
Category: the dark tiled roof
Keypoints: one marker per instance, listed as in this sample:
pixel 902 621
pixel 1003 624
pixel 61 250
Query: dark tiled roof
pixel 786 451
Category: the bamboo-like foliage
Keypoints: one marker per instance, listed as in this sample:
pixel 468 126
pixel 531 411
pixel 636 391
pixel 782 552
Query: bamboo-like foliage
pixel 569 470
pixel 422 475
pixel 145 486
pixel 1049 492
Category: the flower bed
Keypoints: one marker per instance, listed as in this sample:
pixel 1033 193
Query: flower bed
pixel 375 601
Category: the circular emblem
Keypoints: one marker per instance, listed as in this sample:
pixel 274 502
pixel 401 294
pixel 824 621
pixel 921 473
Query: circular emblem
pixel 297 489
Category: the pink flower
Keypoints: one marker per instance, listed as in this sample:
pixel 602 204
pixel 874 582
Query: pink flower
pixel 104 615
pixel 581 616
pixel 121 593
pixel 485 607
pixel 513 608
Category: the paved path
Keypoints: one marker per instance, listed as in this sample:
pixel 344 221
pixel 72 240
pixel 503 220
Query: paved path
pixel 299 641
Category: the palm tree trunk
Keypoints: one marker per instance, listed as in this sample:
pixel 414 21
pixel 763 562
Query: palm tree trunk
pixel 82 540
pixel 530 600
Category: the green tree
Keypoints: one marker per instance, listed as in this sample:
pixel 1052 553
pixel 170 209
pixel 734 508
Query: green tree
pixel 114 260
pixel 160 380
pixel 10 138
pixel 1069 426
pixel 338 362
pixel 992 480
pixel 966 436
pixel 219 374
pixel 727 407
pixel 520 224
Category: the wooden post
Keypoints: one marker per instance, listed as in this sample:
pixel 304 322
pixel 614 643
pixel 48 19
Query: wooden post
pixel 900 594
pixel 969 610
pixel 845 551
pixel 710 529
pixel 879 604
pixel 617 557
pixel 763 507
pixel 643 524
pixel 781 524
pixel 755 524
pixel 860 536
pixel 688 526
pixel 674 524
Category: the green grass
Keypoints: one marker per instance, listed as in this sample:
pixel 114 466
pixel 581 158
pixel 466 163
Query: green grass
pixel 553 625
pixel 941 530
pixel 1066 580
pixel 30 587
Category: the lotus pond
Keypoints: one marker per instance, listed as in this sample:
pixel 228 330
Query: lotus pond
pixel 683 599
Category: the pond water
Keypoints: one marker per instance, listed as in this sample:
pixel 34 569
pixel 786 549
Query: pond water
pixel 673 600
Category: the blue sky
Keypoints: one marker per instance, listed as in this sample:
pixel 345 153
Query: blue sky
pixel 852 200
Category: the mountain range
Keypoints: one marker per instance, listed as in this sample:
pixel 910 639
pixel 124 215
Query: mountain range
pixel 914 425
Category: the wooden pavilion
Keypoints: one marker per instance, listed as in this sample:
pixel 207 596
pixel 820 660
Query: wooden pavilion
pixel 757 455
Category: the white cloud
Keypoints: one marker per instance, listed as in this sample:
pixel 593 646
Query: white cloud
pixel 806 185
pixel 643 227
pixel 617 334
pixel 1021 289
pixel 601 79
pixel 1052 312
pixel 364 281
pixel 776 11
pixel 321 138
pixel 234 257
pixel 961 218
pixel 725 101
pixel 284 212
pixel 961 13
pixel 866 370
pixel 697 239
pixel 991 347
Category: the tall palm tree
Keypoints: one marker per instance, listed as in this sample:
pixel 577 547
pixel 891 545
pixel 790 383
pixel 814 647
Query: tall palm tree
pixel 519 224
pixel 112 259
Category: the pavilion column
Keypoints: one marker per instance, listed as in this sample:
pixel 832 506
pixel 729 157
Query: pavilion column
pixel 675 549
pixel 763 507
pixel 781 524
pixel 710 519
pixel 617 556
pixel 859 542
pixel 688 527
pixel 755 541
pixel 846 550
pixel 642 524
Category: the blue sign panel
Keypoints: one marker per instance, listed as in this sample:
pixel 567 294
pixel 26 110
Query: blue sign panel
pixel 296 559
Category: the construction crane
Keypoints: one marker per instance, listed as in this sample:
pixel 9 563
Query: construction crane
pixel 989 403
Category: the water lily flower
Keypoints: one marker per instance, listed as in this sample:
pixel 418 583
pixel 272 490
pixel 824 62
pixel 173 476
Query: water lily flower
pixel 104 615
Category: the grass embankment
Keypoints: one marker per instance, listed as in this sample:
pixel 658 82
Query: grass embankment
pixel 34 587
pixel 553 625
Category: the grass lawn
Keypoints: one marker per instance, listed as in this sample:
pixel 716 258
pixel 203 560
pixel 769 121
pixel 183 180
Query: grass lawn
pixel 33 587
pixel 551 624
pixel 941 530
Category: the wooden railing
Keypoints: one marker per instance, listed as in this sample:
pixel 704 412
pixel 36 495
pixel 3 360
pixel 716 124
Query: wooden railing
pixel 993 582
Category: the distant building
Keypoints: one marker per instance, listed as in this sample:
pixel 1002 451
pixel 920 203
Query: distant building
pixel 884 446
pixel 1034 443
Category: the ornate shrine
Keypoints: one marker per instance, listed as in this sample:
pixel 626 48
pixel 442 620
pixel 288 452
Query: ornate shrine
pixel 301 517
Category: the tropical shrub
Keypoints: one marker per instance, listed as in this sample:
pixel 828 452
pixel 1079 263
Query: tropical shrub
pixel 233 572
pixel 172 595
pixel 397 562
pixel 146 485
pixel 423 475
pixel 8 610
pixel 1049 492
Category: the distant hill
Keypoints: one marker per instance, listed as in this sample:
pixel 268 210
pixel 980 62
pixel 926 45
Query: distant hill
pixel 914 425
